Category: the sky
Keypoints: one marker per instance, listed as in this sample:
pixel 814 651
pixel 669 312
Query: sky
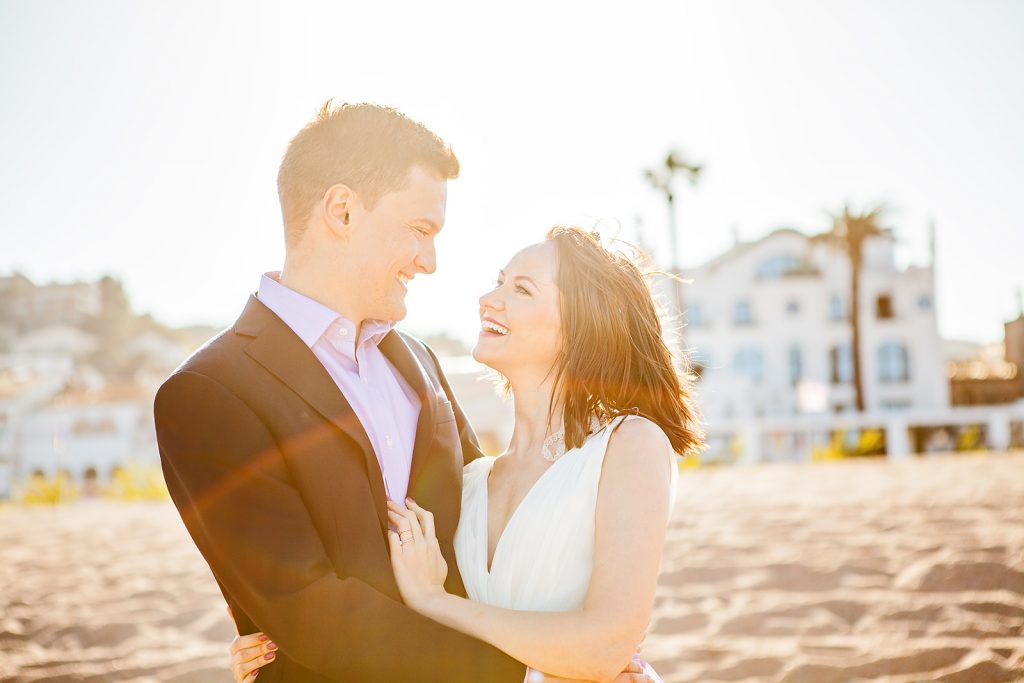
pixel 142 139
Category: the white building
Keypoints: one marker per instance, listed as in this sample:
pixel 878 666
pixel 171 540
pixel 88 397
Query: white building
pixel 88 434
pixel 32 305
pixel 26 383
pixel 768 321
pixel 57 340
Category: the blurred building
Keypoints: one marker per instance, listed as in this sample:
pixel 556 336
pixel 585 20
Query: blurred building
pixel 89 434
pixel 992 374
pixel 55 340
pixel 768 323
pixel 26 384
pixel 78 372
pixel 1013 343
pixel 25 305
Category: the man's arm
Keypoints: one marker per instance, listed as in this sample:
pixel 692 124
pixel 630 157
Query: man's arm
pixel 229 481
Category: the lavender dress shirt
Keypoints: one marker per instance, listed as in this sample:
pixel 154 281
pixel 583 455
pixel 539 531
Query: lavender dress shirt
pixel 385 404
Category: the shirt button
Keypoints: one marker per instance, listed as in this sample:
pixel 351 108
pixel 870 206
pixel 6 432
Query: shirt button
pixel 343 332
pixel 366 381
pixel 387 440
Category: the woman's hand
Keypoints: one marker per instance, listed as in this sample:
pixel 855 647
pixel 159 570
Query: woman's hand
pixel 248 654
pixel 635 672
pixel 420 569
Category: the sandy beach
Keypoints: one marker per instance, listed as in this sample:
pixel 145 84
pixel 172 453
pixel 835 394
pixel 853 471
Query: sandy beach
pixel 832 572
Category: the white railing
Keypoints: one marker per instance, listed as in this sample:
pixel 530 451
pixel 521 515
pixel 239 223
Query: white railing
pixel 897 435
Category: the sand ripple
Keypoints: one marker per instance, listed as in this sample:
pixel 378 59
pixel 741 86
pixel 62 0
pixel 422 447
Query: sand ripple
pixel 846 572
pixel 829 573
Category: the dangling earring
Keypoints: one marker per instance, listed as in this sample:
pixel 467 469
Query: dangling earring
pixel 554 446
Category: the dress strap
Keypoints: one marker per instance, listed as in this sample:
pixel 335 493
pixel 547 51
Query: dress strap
pixel 598 447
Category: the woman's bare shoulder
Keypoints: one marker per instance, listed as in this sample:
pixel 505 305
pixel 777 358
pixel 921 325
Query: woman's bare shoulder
pixel 639 456
pixel 639 435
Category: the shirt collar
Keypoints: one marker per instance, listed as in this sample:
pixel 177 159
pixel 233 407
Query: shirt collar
pixel 310 319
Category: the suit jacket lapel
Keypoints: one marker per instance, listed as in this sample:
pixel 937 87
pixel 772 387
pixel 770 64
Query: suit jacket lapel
pixel 394 348
pixel 277 348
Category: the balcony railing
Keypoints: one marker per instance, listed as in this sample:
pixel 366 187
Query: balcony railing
pixel 894 435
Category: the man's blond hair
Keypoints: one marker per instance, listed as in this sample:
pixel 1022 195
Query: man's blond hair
pixel 368 147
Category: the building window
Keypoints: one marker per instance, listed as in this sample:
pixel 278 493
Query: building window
pixel 793 307
pixel 895 405
pixel 796 364
pixel 778 266
pixel 749 363
pixel 893 363
pixel 883 307
pixel 103 425
pixel 836 309
pixel 840 361
pixel 694 315
pixel 742 314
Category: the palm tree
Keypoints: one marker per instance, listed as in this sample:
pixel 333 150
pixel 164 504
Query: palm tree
pixel 662 180
pixel 850 230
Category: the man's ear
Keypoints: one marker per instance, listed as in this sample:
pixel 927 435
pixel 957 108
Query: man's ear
pixel 336 209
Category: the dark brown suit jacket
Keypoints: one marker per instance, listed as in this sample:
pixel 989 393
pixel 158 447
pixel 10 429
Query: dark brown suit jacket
pixel 277 483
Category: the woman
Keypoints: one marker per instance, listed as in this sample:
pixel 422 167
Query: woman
pixel 560 537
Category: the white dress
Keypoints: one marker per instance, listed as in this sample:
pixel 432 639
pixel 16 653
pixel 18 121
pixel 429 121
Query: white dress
pixel 545 555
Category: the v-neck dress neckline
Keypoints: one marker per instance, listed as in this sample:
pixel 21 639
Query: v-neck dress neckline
pixel 544 557
pixel 485 517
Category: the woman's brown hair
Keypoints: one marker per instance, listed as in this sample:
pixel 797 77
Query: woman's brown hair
pixel 614 359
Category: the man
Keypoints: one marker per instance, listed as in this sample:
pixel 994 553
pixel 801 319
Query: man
pixel 282 438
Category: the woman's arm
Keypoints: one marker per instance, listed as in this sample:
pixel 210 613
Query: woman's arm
pixel 595 643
